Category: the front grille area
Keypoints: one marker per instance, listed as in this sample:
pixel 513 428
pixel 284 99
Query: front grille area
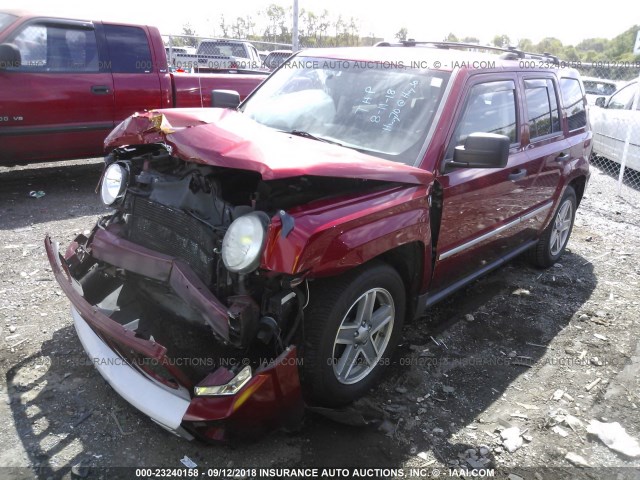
pixel 172 232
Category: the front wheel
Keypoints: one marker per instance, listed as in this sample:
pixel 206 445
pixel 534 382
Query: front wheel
pixel 555 238
pixel 352 326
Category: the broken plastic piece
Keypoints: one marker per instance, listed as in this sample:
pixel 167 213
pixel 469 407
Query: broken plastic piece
pixel 614 436
pixel 187 462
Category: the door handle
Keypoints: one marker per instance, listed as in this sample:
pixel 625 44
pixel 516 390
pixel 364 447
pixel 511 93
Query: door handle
pixel 100 89
pixel 563 156
pixel 518 175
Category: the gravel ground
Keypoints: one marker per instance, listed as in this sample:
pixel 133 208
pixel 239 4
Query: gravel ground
pixel 528 355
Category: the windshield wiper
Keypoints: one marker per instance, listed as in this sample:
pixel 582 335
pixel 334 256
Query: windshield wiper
pixel 302 133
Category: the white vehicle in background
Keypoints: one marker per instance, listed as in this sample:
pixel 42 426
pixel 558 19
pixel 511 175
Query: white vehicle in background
pixel 220 54
pixel 598 87
pixel 276 58
pixel 611 123
pixel 174 52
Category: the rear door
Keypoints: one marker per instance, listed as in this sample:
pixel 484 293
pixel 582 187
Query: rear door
pixel 547 149
pixel 59 98
pixel 481 206
pixel 136 77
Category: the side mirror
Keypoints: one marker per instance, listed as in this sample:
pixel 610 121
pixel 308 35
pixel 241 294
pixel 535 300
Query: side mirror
pixel 9 56
pixel 601 101
pixel 225 99
pixel 482 150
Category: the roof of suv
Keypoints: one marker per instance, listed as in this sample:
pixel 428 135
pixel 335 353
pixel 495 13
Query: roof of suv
pixel 447 59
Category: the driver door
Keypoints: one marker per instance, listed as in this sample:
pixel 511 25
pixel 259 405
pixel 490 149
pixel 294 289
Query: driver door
pixel 481 206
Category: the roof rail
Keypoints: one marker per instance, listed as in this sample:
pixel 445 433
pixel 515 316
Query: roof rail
pixel 509 53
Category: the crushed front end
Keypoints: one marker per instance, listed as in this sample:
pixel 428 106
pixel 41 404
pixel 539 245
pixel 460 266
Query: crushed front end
pixel 170 303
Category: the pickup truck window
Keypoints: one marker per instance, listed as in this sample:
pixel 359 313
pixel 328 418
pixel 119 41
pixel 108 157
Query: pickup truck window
pixel 57 48
pixel 129 49
pixel 385 111
pixel 225 49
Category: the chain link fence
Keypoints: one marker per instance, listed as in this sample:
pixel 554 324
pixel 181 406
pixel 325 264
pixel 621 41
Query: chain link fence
pixel 196 53
pixel 613 92
pixel 201 54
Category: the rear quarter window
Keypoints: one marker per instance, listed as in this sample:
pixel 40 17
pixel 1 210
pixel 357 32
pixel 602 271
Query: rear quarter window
pixel 128 49
pixel 573 103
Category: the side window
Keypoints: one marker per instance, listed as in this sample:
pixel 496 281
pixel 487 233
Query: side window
pixel 573 103
pixel 254 54
pixel 47 48
pixel 542 107
pixel 490 108
pixel 129 49
pixel 623 100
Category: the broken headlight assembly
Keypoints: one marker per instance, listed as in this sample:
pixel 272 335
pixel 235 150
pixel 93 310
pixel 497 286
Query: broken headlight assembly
pixel 114 183
pixel 244 241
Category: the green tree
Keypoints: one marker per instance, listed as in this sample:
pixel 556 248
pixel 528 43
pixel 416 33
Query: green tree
pixel 352 32
pixel 402 34
pixel 593 56
pixel 276 30
pixel 239 29
pixel 592 44
pixel 338 25
pixel 621 47
pixel 570 53
pixel 471 40
pixel 190 40
pixel 323 25
pixel 501 41
pixel 451 38
pixel 550 45
pixel 250 26
pixel 224 27
pixel 525 45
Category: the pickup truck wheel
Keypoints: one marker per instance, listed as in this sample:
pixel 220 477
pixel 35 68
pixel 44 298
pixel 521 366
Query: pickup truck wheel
pixel 555 238
pixel 352 326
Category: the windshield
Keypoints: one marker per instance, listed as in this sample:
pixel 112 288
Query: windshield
pixel 381 109
pixel 5 20
pixel 595 87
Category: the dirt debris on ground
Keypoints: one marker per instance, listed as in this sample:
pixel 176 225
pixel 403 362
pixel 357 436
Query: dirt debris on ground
pixel 507 374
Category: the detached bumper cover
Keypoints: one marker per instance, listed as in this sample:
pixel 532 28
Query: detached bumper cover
pixel 166 408
pixel 270 399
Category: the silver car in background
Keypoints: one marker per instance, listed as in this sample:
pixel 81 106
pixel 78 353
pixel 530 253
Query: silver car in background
pixel 613 120
pixel 599 87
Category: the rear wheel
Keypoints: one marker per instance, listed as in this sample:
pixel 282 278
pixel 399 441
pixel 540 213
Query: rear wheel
pixel 352 326
pixel 551 245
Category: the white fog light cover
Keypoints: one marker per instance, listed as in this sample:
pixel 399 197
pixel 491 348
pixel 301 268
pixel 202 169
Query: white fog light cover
pixel 232 387
pixel 114 183
pixel 244 241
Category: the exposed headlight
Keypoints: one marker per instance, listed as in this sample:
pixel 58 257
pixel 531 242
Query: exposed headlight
pixel 243 243
pixel 230 388
pixel 114 183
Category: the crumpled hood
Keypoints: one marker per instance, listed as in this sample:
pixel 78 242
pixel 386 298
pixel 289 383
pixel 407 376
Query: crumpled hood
pixel 227 138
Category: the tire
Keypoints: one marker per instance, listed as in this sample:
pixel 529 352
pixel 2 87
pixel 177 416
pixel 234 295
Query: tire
pixel 337 367
pixel 554 240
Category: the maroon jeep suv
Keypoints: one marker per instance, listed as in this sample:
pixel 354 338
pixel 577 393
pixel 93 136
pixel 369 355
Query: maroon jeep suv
pixel 266 254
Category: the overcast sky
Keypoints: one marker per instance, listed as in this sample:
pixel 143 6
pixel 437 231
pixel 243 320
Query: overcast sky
pixel 570 22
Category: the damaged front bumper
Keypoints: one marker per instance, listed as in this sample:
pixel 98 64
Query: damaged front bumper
pixel 269 398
